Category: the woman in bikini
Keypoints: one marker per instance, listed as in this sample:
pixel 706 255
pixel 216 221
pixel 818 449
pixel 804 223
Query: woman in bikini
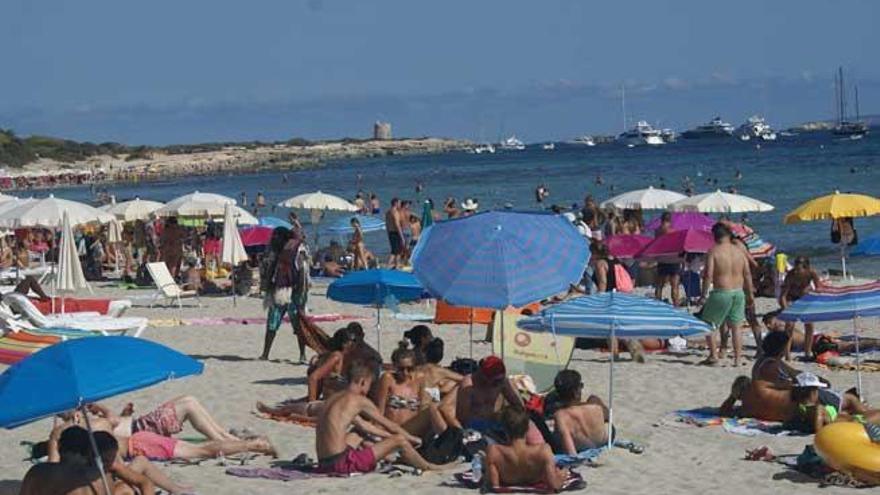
pixel 402 398
pixel 439 381
pixel 356 246
pixel 327 371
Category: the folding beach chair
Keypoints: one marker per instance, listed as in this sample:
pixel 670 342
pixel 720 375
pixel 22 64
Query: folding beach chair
pixel 166 287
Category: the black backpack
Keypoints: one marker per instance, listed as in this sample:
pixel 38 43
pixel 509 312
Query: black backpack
pixel 445 447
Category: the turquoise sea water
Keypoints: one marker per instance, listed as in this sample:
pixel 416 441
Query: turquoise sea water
pixel 784 173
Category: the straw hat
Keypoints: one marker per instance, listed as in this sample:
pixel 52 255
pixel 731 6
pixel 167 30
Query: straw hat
pixel 470 205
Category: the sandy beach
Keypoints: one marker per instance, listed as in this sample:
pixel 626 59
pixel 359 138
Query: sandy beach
pixel 678 458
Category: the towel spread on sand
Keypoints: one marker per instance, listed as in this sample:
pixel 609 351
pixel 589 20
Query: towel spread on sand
pixel 574 482
pixel 274 473
pixel 708 416
pixel 256 320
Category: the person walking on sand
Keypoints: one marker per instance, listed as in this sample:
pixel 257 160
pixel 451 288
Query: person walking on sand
pixel 171 244
pixel 394 227
pixel 351 408
pixel 727 273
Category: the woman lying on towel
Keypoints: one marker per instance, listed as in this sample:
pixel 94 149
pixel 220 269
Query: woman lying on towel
pixel 165 420
pixel 822 342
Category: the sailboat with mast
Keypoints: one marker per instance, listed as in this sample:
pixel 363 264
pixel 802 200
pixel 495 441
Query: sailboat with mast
pixel 855 129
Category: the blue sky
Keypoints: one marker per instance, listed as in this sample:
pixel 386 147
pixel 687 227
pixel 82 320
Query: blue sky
pixel 197 70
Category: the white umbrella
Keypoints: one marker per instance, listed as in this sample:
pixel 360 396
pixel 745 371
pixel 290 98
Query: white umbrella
pixel 721 202
pixel 48 212
pixel 645 199
pixel 129 211
pixel 318 201
pixel 197 204
pixel 70 276
pixel 243 217
pixel 232 250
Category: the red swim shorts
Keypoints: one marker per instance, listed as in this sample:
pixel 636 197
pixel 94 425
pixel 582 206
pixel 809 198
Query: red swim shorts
pixel 152 446
pixel 361 460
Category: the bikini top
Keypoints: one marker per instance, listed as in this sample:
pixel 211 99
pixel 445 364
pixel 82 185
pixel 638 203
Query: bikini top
pixel 398 402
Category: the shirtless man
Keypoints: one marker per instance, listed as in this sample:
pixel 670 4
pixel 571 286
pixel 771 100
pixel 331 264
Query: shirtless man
pixel 171 244
pixel 579 425
pixel 797 283
pixel 394 227
pixel 517 462
pixel 351 408
pixel 727 272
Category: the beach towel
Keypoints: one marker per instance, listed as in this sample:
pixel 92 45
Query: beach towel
pixel 708 416
pixel 273 473
pixel 72 305
pixel 574 482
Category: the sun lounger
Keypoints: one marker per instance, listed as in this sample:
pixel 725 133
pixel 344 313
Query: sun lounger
pixel 11 275
pixel 81 321
pixel 166 287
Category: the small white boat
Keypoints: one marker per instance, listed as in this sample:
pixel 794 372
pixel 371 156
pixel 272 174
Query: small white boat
pixel 548 146
pixel 512 144
pixel 486 148
pixel 585 140
pixel 641 134
pixel 756 128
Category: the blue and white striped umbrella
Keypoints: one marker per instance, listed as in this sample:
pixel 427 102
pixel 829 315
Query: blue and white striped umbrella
pixel 835 304
pixel 615 315
pixel 342 225
pixel 498 259
pixel 622 315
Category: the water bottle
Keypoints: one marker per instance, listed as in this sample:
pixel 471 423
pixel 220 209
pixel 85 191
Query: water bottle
pixel 477 467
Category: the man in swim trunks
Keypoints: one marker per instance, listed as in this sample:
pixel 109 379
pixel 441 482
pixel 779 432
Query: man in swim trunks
pixel 394 226
pixel 728 274
pixel 517 462
pixel 800 280
pixel 351 408
pixel 579 425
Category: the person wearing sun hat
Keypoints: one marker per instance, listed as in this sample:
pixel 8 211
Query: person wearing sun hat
pixel 469 206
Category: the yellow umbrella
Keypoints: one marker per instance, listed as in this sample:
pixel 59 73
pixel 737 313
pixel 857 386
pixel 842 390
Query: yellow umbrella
pixel 834 206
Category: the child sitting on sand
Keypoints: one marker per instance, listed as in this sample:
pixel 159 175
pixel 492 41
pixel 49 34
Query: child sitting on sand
pixel 579 425
pixel 518 463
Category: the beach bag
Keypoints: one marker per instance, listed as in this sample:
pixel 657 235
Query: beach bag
pixel 445 447
pixel 622 281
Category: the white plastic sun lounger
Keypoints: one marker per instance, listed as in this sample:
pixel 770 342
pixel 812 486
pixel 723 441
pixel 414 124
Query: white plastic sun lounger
pixel 82 321
pixel 166 287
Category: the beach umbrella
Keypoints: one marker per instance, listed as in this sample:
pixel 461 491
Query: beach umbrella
pixel 377 288
pixel 832 207
pixel 673 245
pixel 255 235
pixel 72 374
pixel 243 217
pixel 644 199
pixel 611 315
pixel 48 213
pixel 342 225
pixel 497 259
pixel 273 222
pixel 758 247
pixel 70 277
pixel 317 203
pixel 684 221
pixel 231 251
pixel 196 204
pixel 869 246
pixel 130 211
pixel 721 202
pixel 627 246
pixel 830 303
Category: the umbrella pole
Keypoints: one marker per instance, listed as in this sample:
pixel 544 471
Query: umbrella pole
pixel 555 343
pixel 379 328
pixel 858 360
pixel 611 392
pixel 471 334
pixel 843 258
pixel 98 461
pixel 502 335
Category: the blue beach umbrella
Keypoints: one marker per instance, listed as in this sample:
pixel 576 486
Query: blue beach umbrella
pixel 274 222
pixel 498 259
pixel 71 374
pixel 838 304
pixel 869 246
pixel 377 288
pixel 615 315
pixel 342 225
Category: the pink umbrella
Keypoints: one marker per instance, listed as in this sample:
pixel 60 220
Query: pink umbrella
pixel 684 221
pixel 627 246
pixel 677 243
pixel 257 235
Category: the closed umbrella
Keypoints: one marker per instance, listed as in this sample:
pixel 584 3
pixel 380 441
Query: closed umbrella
pixel 832 207
pixel 70 276
pixel 114 238
pixel 498 259
pixel 71 374
pixel 684 221
pixel 721 202
pixel 615 315
pixel 130 211
pixel 232 250
pixel 644 199
pixel 829 303
pixel 376 288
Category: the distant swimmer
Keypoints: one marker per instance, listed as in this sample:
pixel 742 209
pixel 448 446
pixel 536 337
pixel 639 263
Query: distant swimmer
pixel 261 200
pixel 541 193
pixel 852 170
pixel 284 178
pixel 599 180
pixel 739 174
pixel 419 187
